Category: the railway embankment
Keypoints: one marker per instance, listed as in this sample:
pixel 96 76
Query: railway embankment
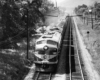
pixel 88 42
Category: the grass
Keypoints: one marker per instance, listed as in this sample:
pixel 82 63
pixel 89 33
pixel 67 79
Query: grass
pixel 92 41
pixel 14 65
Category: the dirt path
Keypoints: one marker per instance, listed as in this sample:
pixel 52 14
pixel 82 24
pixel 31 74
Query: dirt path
pixel 31 73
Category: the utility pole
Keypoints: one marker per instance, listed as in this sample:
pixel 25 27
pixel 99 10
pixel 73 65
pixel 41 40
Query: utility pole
pixel 27 35
pixel 87 20
pixel 56 3
pixel 92 20
pixel 27 3
pixel 84 17
pixel 27 25
pixel 90 11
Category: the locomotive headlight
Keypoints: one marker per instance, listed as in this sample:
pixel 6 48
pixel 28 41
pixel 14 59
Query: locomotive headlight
pixel 45 47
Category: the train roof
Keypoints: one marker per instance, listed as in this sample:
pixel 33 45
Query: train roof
pixel 54 37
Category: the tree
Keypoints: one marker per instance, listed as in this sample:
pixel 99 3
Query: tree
pixel 97 9
pixel 81 9
pixel 14 16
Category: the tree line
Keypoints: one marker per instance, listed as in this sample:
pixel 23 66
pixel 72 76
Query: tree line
pixel 17 15
pixel 83 10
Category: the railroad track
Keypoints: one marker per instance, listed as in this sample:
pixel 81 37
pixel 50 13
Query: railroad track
pixel 42 76
pixel 76 66
pixel 80 73
pixel 70 61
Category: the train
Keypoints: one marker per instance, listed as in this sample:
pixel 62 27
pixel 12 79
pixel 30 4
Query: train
pixel 47 49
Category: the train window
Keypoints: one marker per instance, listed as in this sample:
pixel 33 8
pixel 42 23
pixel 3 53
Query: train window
pixel 54 29
pixel 49 36
pixel 41 52
pixel 51 33
pixel 52 42
pixel 41 42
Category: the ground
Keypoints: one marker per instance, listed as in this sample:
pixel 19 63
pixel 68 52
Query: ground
pixel 91 38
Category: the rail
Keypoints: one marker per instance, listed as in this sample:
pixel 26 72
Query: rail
pixel 42 76
pixel 78 75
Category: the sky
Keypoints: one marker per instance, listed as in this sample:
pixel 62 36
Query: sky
pixel 70 4
pixel 73 3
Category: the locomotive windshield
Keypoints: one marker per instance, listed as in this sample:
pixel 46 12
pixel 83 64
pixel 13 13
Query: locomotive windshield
pixel 52 42
pixel 41 42
pixel 49 51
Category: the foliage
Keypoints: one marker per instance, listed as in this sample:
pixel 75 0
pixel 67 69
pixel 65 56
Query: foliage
pixel 84 9
pixel 97 9
pixel 47 5
pixel 17 15
pixel 12 67
pixel 14 18
pixel 81 9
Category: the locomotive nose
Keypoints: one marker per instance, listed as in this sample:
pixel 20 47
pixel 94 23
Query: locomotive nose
pixel 45 66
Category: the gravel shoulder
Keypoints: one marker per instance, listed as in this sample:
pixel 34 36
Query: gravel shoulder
pixel 91 41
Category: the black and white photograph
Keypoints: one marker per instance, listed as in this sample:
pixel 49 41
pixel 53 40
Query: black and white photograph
pixel 49 39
